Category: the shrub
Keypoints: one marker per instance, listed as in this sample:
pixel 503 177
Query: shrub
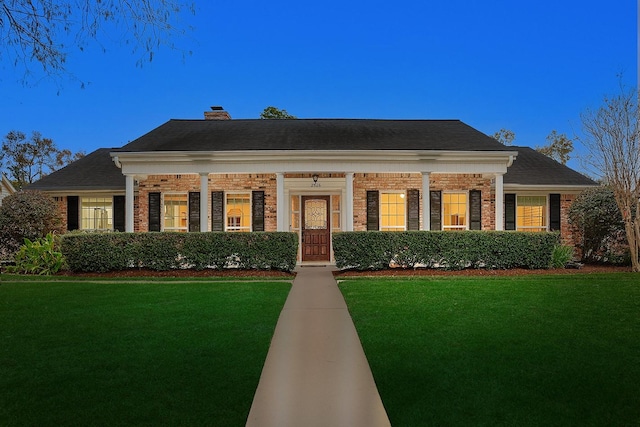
pixel 26 215
pixel 38 257
pixel 451 250
pixel 596 215
pixel 166 251
pixel 561 255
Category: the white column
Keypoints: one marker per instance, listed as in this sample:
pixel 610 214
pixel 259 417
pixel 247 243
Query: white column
pixel 499 202
pixel 281 215
pixel 204 201
pixel 426 201
pixel 348 207
pixel 128 210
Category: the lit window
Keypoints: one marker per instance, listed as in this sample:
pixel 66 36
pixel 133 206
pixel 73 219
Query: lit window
pixel 97 213
pixel 454 211
pixel 392 212
pixel 238 212
pixel 531 213
pixel 175 212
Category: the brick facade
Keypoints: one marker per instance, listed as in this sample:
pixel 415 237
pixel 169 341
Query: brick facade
pixel 362 182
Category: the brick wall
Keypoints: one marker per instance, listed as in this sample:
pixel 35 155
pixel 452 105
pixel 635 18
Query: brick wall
pixel 222 182
pixel 404 181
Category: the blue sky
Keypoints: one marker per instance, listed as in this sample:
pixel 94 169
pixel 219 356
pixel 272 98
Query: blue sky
pixel 530 67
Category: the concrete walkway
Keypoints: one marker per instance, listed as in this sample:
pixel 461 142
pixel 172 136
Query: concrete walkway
pixel 316 373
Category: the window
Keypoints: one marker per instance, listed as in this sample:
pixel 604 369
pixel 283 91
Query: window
pixel 96 213
pixel 392 212
pixel 454 211
pixel 238 212
pixel 175 212
pixel 531 213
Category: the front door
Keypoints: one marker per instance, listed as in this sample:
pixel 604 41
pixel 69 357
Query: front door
pixel 316 228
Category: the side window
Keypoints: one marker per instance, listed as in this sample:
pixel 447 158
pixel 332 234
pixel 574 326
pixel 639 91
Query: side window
pixel 96 213
pixel 531 213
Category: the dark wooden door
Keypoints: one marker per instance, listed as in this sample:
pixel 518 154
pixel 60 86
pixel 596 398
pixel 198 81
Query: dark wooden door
pixel 316 228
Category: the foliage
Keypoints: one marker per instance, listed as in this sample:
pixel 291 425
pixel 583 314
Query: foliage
pixel 26 214
pixel 275 113
pixel 40 32
pixel 471 249
pixel 28 160
pixel 596 215
pixel 166 251
pixel 504 136
pixel 612 139
pixel 38 257
pixel 559 147
pixel 561 255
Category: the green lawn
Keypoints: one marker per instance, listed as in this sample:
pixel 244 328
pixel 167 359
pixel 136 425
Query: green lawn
pixel 531 350
pixel 133 353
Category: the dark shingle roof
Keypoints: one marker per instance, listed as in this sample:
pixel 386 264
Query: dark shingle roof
pixel 95 171
pixel 313 134
pixel 533 168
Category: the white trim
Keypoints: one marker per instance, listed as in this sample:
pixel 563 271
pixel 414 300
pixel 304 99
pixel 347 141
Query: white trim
pixel 561 189
pixel 129 208
pixel 225 212
pixel 303 161
pixel 547 209
pixel 163 195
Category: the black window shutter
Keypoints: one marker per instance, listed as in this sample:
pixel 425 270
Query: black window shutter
pixel 373 210
pixel 257 210
pixel 435 216
pixel 509 212
pixel 194 211
pixel 118 213
pixel 413 209
pixel 73 213
pixel 217 211
pixel 154 212
pixel 554 212
pixel 475 210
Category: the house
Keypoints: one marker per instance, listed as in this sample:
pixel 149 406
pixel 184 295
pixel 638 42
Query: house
pixel 315 177
pixel 6 188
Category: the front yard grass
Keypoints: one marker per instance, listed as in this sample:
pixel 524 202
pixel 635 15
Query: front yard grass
pixel 133 353
pixel 530 350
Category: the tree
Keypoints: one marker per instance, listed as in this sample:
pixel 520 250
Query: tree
pixel 596 215
pixel 28 160
pixel 41 31
pixel 613 144
pixel 559 147
pixel 275 113
pixel 26 214
pixel 504 136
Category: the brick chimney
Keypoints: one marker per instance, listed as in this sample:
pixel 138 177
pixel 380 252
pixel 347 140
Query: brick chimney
pixel 217 113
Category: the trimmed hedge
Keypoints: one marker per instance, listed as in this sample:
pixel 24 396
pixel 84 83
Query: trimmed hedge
pixel 166 251
pixel 377 250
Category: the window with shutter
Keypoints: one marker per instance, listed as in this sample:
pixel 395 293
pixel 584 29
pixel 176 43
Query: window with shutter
pixel 73 213
pixel 435 216
pixel 509 212
pixel 373 206
pixel 194 212
pixel 475 210
pixel 257 210
pixel 217 211
pixel 118 213
pixel 413 209
pixel 554 212
pixel 154 212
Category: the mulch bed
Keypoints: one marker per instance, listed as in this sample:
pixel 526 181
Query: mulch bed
pixel 586 269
